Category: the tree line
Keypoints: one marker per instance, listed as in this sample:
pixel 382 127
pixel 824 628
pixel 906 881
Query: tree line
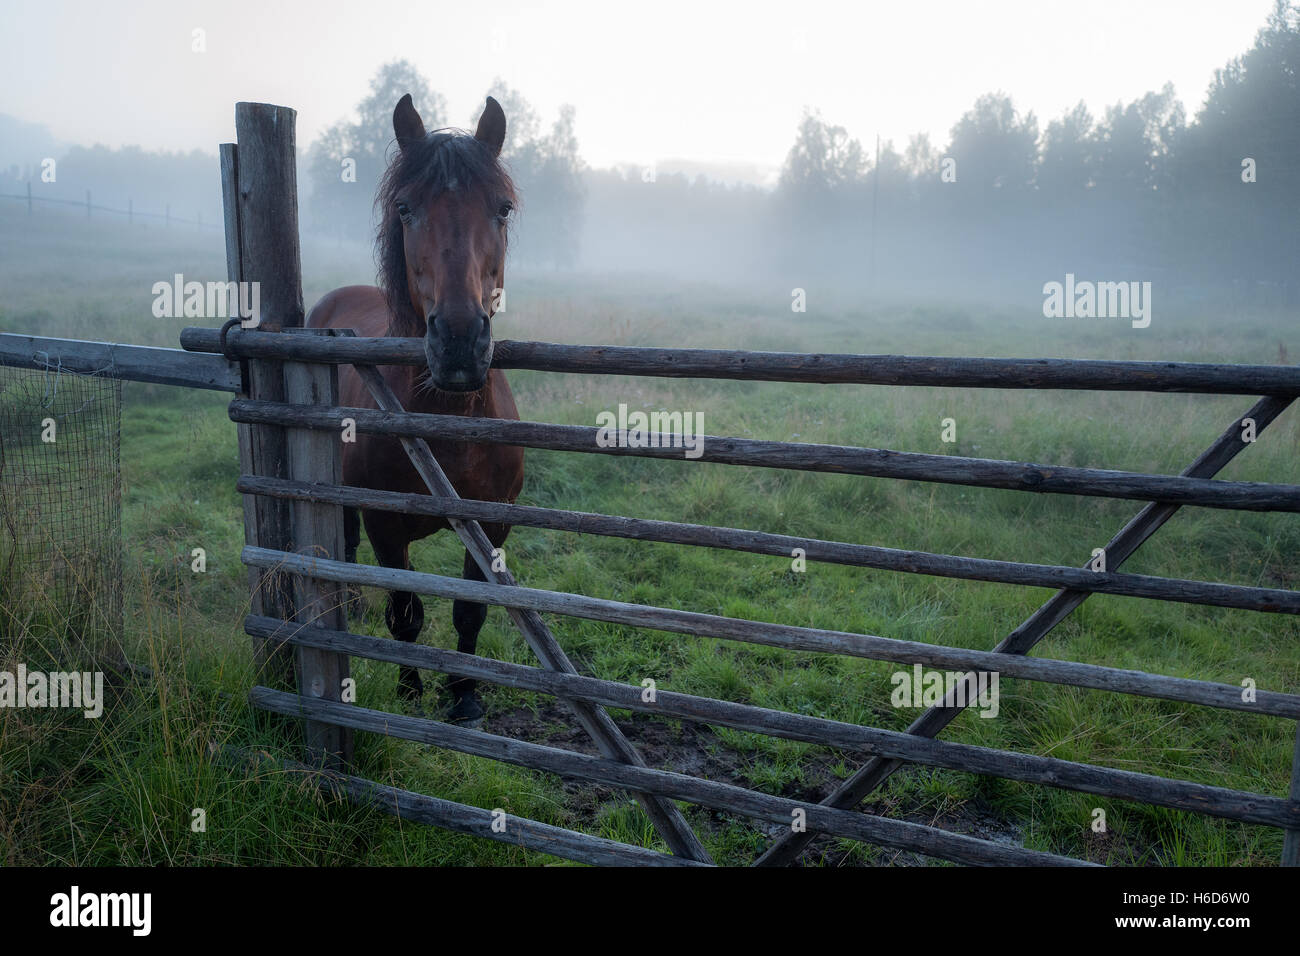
pixel 1138 192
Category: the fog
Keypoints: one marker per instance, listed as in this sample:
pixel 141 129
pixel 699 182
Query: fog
pixel 1191 190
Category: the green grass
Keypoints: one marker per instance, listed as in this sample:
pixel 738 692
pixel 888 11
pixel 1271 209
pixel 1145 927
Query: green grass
pixel 122 789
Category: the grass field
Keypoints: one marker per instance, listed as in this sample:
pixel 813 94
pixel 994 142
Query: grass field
pixel 122 789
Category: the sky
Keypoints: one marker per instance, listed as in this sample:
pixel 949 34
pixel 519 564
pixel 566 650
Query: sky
pixel 707 82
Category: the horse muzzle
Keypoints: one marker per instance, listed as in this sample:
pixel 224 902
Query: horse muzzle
pixel 457 366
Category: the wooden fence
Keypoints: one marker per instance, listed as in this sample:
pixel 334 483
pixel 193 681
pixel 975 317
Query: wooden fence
pixel 289 421
pixel 885 750
pixel 130 212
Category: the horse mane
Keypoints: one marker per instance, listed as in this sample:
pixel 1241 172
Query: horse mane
pixel 444 159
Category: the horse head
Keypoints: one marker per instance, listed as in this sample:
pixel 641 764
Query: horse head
pixel 444 207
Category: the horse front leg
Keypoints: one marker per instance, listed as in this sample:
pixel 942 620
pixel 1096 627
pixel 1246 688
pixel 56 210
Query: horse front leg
pixel 468 618
pixel 356 604
pixel 404 613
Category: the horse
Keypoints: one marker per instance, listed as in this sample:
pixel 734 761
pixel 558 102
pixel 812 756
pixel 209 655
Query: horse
pixel 444 208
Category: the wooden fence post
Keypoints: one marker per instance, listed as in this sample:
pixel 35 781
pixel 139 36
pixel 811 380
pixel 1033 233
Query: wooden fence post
pixel 260 193
pixel 260 190
pixel 317 530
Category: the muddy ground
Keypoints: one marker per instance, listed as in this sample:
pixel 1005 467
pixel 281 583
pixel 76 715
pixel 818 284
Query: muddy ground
pixel 695 749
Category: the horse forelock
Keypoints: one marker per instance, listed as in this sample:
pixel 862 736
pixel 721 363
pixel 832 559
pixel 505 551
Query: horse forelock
pixel 446 160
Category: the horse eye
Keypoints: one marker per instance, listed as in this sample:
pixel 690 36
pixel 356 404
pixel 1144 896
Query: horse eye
pixel 404 210
pixel 504 211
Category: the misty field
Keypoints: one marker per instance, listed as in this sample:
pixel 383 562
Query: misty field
pixel 121 790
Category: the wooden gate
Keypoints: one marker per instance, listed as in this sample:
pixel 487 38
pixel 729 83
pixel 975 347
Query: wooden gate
pixel 289 422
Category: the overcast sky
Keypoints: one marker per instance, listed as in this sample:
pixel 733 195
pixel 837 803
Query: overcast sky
pixel 713 82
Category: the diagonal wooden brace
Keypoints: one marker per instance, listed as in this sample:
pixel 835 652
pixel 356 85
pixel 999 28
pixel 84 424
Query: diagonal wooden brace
pixel 663 813
pixel 786 848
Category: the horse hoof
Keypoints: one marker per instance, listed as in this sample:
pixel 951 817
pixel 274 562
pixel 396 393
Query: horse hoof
pixel 467 711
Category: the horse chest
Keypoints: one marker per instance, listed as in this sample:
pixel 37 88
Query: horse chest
pixel 484 472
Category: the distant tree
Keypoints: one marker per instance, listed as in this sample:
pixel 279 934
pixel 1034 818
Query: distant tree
pixel 1134 145
pixel 887 185
pixel 1261 88
pixel 921 169
pixel 373 131
pixel 1251 116
pixel 996 148
pixel 359 148
pixel 1066 167
pixel 559 191
pixel 550 176
pixel 889 166
pixel 921 160
pixel 823 159
pixel 24 145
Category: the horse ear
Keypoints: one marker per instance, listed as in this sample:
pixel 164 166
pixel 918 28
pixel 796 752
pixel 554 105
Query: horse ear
pixel 491 130
pixel 407 123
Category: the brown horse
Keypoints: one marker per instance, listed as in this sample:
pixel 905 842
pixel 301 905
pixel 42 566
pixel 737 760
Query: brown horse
pixel 444 207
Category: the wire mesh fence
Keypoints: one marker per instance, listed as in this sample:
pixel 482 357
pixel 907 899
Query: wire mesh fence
pixel 60 504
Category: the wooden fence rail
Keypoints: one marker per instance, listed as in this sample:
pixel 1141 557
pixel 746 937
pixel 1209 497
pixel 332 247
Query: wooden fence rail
pixel 459 817
pixel 136 363
pixel 1245 597
pixel 788 636
pixel 1008 373
pixel 835 459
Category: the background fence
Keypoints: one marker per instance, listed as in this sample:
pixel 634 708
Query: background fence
pixel 130 212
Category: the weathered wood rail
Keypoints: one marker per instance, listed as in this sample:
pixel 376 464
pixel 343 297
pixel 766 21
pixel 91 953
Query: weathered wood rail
pixel 136 363
pixel 787 636
pixel 833 459
pixel 1009 373
pixel 783 545
pixel 457 817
